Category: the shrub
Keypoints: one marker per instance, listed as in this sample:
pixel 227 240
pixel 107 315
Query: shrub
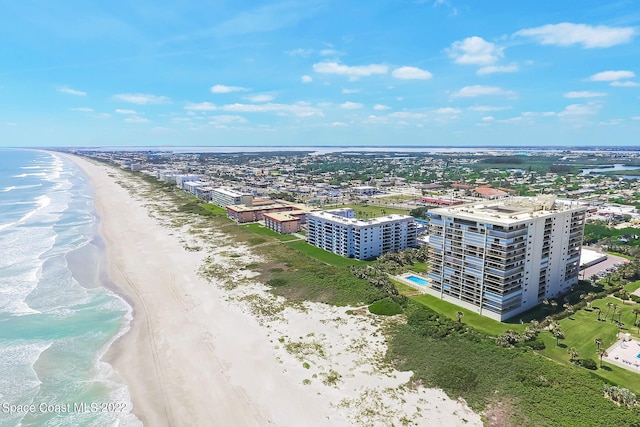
pixel 588 363
pixel 537 344
pixel 277 282
pixel 385 307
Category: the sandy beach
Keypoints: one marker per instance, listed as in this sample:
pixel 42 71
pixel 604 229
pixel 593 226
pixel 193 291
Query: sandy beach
pixel 203 352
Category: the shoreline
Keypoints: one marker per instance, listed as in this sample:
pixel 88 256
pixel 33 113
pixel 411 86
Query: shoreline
pixel 198 351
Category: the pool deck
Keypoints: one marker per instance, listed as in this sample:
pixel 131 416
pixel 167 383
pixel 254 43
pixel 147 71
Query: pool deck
pixel 623 354
pixel 403 278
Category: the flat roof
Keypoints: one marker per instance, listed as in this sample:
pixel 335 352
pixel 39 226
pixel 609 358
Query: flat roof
pixel 229 192
pixel 509 210
pixel 588 256
pixel 281 216
pixel 359 222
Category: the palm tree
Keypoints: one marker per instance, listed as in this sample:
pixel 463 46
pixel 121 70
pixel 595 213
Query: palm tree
pixel 615 311
pixel 598 342
pixel 636 311
pixel 535 325
pixel 554 304
pixel 573 354
pixel 569 309
pixel 459 314
pixel 598 310
pixel 558 333
pixel 602 353
pixel 609 305
pixel 545 304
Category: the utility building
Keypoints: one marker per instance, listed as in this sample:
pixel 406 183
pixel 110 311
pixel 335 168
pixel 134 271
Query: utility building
pixel 501 258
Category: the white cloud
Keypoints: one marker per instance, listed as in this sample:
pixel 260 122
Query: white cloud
pixel 624 84
pixel 411 73
pixel 488 119
pixel 226 119
pixel 83 109
pixel 306 79
pixel 68 90
pixel 486 108
pixel 227 89
pixel 201 106
pixel 338 124
pixel 300 109
pixel 474 50
pixel 348 91
pixel 408 115
pixel 609 76
pixel 635 118
pixel 490 69
pixel 574 110
pixel 448 110
pixel 584 94
pixel 136 119
pixel 261 98
pixel 568 34
pixel 132 112
pixel 381 107
pixel 101 115
pixel 141 98
pixel 352 71
pixel 351 105
pixel 478 90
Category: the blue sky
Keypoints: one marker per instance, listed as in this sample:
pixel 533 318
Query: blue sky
pixel 320 72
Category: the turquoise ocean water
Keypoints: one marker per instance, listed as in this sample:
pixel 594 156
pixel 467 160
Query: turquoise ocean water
pixel 57 318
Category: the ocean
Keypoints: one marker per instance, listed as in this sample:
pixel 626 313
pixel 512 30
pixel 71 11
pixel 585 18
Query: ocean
pixel 57 314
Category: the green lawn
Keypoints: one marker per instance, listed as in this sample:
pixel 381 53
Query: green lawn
pixel 264 231
pixel 369 211
pixel 404 289
pixel 324 256
pixel 213 209
pixel 632 286
pixel 419 267
pixel 581 331
pixel 482 323
pixel 399 198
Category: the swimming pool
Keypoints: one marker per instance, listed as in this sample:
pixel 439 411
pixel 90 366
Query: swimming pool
pixel 417 280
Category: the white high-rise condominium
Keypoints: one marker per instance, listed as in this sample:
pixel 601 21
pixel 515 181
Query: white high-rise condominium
pixel 504 257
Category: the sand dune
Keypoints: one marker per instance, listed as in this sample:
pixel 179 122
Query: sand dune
pixel 201 353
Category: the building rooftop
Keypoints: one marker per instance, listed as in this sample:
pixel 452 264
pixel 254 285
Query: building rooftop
pixel 358 222
pixel 509 210
pixel 281 216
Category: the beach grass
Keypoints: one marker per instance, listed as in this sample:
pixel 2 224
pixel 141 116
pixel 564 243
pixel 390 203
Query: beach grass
pixel 324 256
pixel 260 229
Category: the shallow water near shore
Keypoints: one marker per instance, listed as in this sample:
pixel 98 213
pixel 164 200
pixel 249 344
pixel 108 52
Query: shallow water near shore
pixel 57 318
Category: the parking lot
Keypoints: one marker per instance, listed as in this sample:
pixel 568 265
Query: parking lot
pixel 603 266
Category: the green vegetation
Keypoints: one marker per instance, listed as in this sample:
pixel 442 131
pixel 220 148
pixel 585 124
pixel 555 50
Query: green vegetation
pixel 264 231
pixel 322 255
pixel 386 307
pixel 364 211
pixel 475 320
pixel 525 388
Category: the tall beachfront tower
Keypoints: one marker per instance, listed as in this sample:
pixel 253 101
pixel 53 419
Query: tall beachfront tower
pixel 338 231
pixel 504 257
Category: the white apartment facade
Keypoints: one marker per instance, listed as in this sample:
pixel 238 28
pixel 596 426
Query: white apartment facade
pixel 501 258
pixel 341 233
pixel 223 197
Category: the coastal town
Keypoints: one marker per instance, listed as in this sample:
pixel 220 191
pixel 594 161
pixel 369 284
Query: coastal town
pixel 537 242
